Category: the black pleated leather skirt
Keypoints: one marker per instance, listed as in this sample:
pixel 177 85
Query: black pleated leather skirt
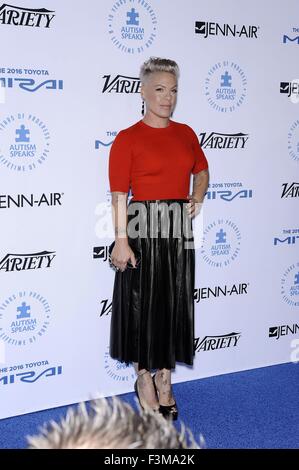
pixel 152 319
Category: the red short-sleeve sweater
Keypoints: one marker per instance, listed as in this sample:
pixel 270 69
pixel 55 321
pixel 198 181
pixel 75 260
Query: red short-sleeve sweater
pixel 156 163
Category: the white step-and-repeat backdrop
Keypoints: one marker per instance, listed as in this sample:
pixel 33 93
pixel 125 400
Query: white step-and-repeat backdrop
pixel 69 82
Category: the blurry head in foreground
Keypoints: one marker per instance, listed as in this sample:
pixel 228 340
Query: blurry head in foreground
pixel 112 425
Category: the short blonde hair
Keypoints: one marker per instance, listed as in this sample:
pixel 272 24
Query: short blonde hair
pixel 158 64
pixel 112 425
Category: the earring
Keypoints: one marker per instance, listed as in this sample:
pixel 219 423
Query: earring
pixel 142 108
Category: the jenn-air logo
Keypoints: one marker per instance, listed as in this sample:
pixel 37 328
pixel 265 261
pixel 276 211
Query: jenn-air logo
pixel 8 201
pixel 220 291
pixel 283 330
pixel 290 88
pixel 207 28
pixel 101 252
pixel 121 84
pixel 20 16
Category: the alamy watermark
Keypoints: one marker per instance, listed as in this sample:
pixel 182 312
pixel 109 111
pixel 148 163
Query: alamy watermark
pixel 2 92
pixel 295 353
pixel 151 219
pixel 2 352
pixel 294 95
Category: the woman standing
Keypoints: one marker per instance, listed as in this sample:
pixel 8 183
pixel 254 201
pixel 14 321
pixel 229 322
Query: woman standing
pixel 152 323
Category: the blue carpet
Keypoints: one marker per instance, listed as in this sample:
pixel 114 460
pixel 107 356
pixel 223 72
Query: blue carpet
pixel 255 409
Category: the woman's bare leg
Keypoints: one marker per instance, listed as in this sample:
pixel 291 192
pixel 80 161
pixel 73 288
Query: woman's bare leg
pixel 163 383
pixel 146 390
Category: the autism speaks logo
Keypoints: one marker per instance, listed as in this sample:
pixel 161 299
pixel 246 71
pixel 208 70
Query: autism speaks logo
pixel 221 243
pixel 290 285
pixel 24 142
pixel 24 318
pixel 226 86
pixel 118 371
pixel 293 141
pixel 132 26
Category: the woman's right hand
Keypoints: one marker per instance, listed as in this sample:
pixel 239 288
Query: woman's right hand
pixel 121 254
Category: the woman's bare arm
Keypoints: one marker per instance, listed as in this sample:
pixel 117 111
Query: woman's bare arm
pixel 121 252
pixel 119 215
pixel 200 186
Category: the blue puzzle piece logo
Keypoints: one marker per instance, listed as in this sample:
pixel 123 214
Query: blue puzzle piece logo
pixel 22 134
pixel 226 80
pixel 24 311
pixel 133 15
pixel 221 236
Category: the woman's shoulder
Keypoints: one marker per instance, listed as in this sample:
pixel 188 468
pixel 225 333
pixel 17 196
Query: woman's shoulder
pixel 126 136
pixel 185 128
pixel 131 129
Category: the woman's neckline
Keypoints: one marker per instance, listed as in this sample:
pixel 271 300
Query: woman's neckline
pixel 156 128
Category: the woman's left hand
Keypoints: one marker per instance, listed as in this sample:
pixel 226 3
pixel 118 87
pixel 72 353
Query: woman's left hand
pixel 193 206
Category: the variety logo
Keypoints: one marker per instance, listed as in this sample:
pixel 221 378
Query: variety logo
pixel 292 38
pixel 221 243
pixel 290 190
pixel 228 195
pixel 106 307
pixel 20 16
pixel 216 140
pixel 207 28
pixel 132 26
pixel 121 84
pixel 293 141
pixel 29 376
pixel 8 201
pixel 25 142
pixel 218 291
pixel 226 86
pixel 290 88
pixel 278 331
pixel 288 237
pixel 22 262
pixel 211 343
pixel 28 84
pixel 118 371
pixel 24 318
pixel 290 285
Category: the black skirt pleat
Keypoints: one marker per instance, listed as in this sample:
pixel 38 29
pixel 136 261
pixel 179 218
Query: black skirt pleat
pixel 152 319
